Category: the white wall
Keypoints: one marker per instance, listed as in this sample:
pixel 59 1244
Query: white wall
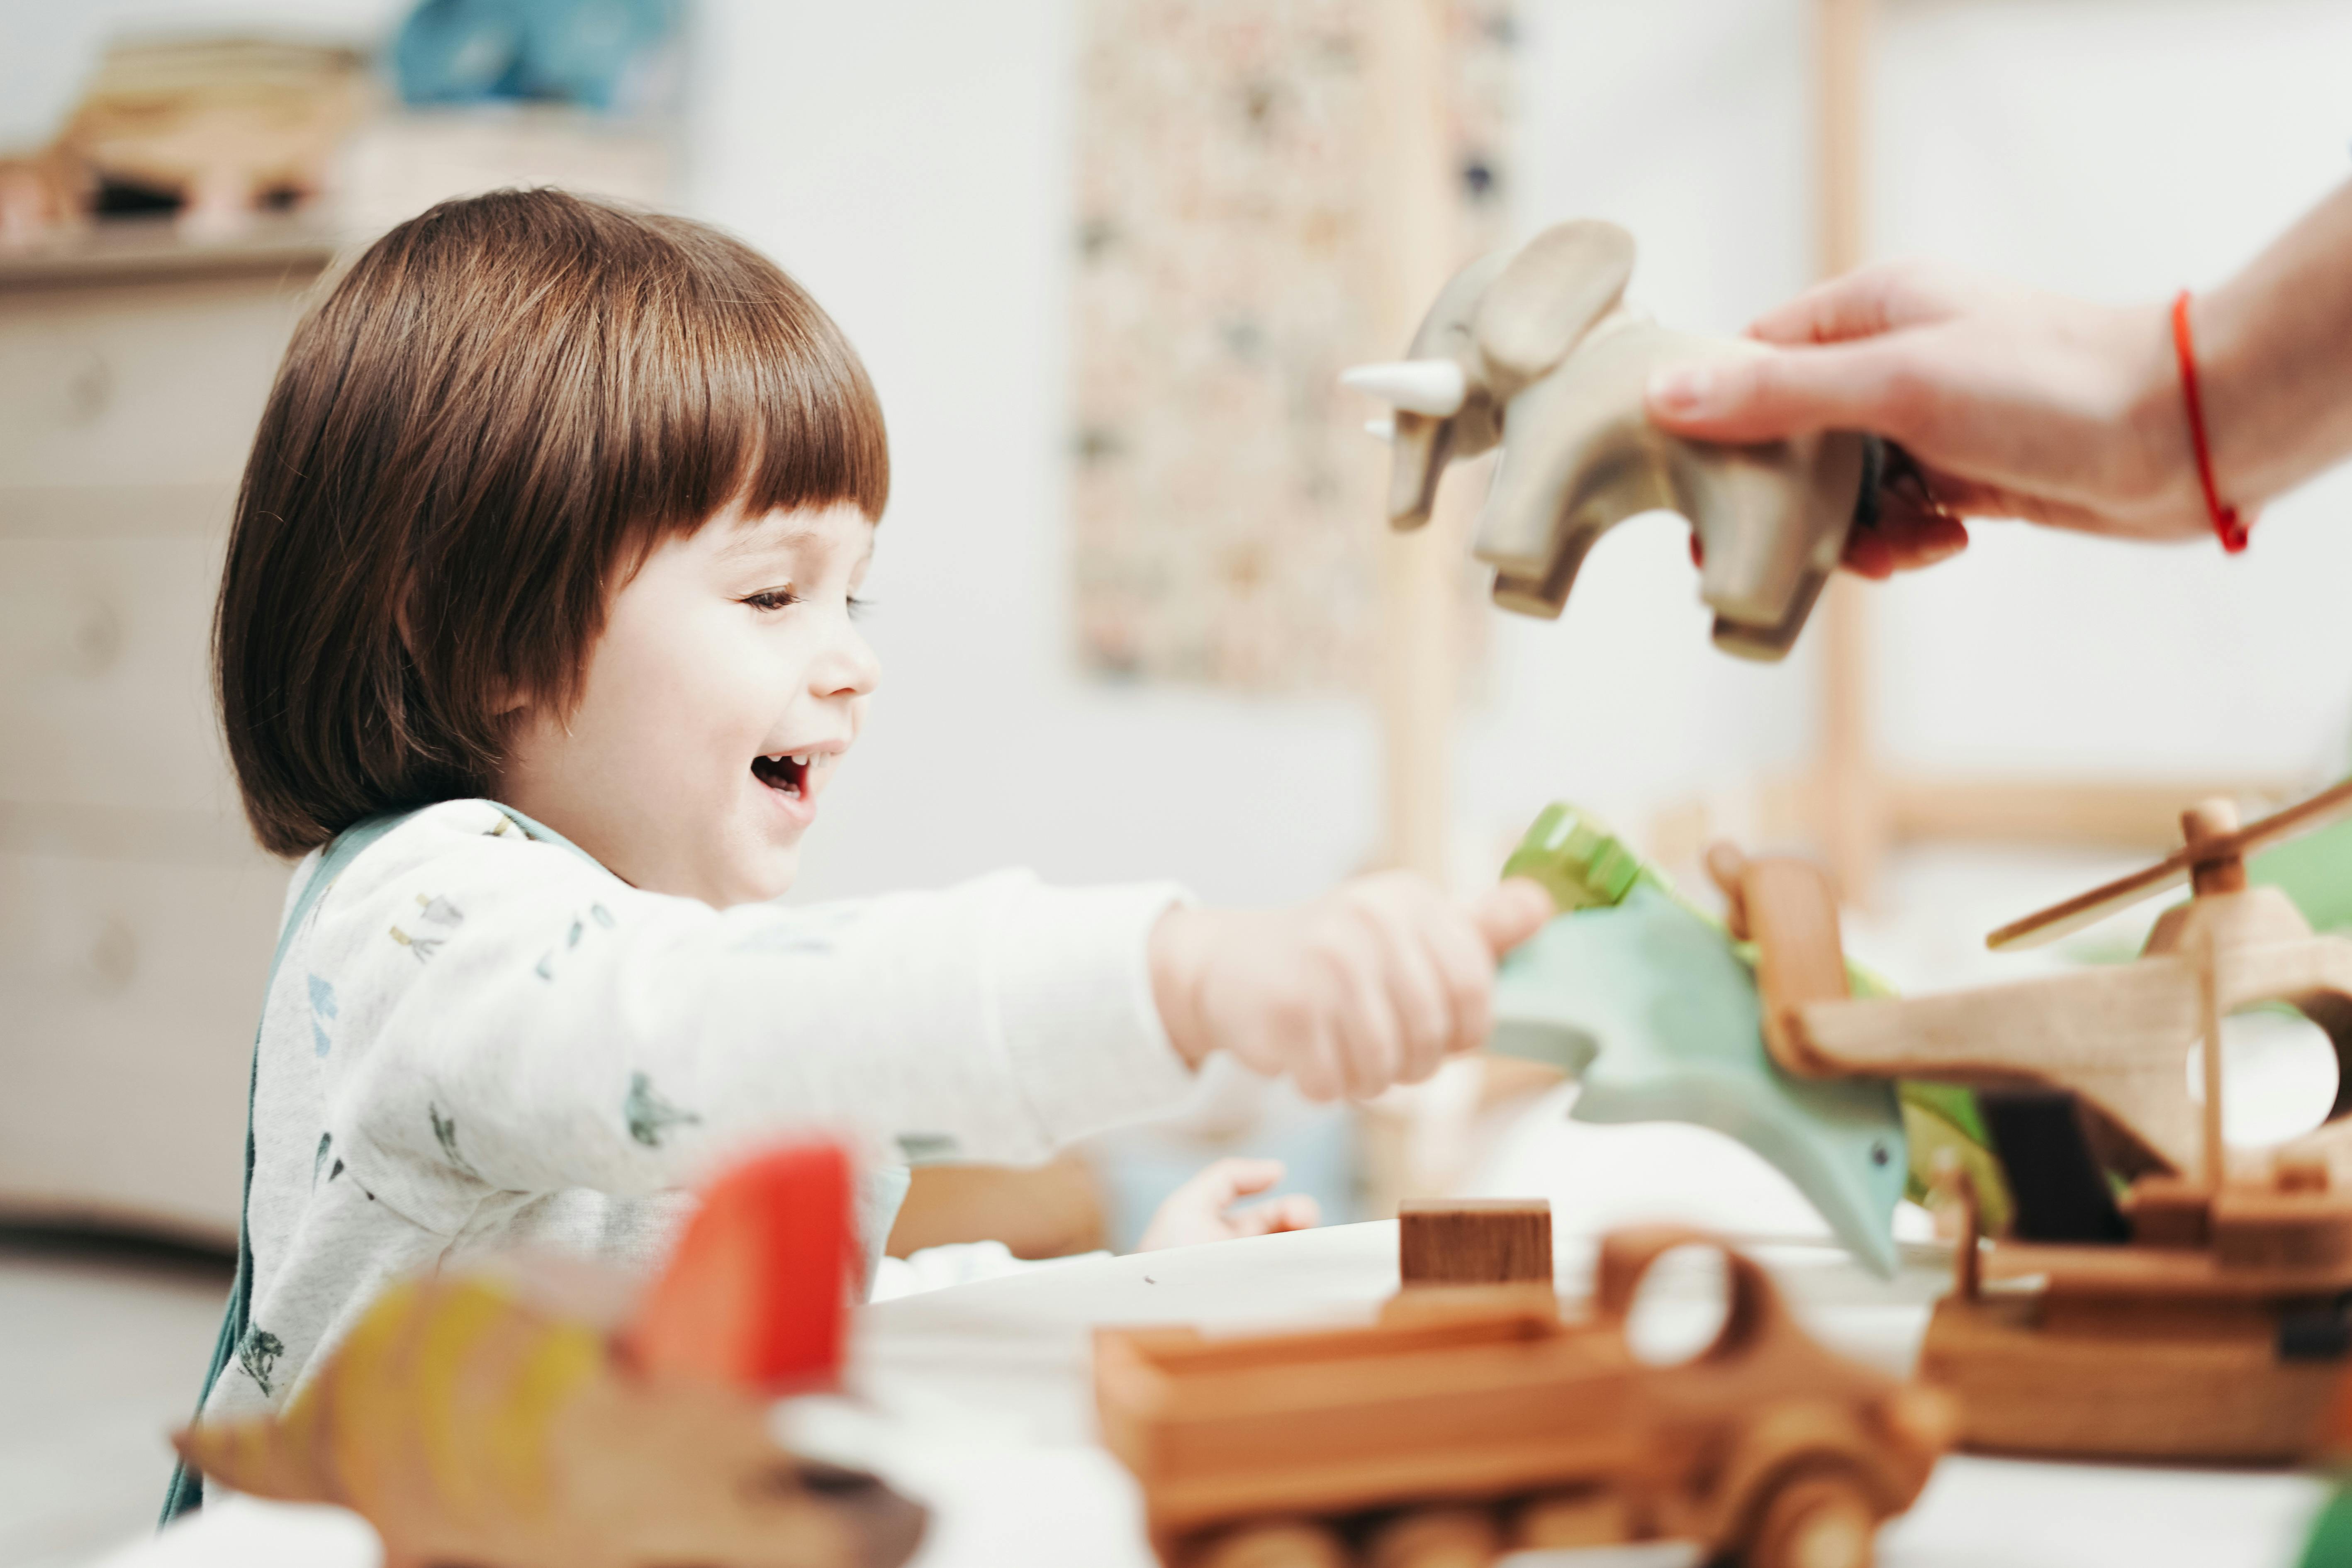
pixel 911 164
pixel 2122 149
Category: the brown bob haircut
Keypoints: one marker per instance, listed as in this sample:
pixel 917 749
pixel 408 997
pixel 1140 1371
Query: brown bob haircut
pixel 477 437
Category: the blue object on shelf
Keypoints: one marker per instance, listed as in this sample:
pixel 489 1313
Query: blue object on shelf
pixel 600 54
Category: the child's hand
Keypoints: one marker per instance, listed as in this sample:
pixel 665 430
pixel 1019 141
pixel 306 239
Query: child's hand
pixel 1202 1209
pixel 1371 985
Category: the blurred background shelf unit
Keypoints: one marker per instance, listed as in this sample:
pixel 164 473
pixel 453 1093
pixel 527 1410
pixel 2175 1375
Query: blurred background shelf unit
pixel 136 913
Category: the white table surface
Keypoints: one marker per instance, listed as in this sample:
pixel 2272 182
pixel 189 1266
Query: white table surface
pixel 978 1399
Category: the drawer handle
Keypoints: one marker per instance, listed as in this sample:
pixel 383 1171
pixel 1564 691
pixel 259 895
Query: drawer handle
pixel 96 639
pixel 86 388
pixel 113 961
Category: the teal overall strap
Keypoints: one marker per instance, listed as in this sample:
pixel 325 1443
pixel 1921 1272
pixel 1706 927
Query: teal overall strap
pixel 187 1489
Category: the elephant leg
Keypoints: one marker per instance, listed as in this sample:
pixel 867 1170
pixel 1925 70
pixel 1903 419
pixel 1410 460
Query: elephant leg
pixel 1546 595
pixel 1770 644
pixel 1419 452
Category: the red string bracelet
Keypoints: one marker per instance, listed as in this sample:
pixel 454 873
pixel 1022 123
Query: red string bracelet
pixel 2226 521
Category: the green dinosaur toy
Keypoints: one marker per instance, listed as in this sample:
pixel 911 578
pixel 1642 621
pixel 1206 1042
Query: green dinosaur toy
pixel 1652 1005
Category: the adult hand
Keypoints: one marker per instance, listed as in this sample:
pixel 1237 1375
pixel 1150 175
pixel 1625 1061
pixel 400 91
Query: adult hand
pixel 1373 984
pixel 2008 402
pixel 1203 1209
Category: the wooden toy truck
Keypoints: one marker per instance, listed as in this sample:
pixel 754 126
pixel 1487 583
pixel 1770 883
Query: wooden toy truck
pixel 1473 1420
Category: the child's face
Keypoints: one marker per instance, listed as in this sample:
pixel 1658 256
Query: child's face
pixel 725 688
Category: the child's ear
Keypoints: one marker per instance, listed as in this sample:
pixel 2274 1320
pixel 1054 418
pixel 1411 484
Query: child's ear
pixel 507 696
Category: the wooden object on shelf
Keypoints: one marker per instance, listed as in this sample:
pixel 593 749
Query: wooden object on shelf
pixel 221 124
pixel 1509 1429
pixel 1474 1241
pixel 1535 351
pixel 501 1421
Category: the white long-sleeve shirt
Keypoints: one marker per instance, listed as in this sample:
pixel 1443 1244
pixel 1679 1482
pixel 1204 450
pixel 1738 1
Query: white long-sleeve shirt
pixel 481 1039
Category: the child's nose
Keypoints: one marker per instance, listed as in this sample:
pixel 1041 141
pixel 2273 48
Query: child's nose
pixel 849 668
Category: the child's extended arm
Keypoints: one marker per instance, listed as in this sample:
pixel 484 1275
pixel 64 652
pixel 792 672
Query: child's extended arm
pixel 513 1014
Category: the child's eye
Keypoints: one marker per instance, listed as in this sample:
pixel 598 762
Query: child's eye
pixel 771 598
pixel 857 606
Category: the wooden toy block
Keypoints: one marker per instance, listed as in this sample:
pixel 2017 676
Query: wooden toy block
pixel 1537 351
pixel 500 1421
pixel 1453 1438
pixel 1474 1241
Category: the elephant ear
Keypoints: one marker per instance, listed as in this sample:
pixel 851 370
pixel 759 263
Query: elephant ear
pixel 1559 283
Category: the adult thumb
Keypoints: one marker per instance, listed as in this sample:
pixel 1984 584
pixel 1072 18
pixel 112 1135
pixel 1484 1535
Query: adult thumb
pixel 1781 391
pixel 1511 911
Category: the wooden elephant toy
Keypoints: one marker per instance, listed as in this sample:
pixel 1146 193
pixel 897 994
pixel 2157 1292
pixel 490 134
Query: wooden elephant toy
pixel 1537 351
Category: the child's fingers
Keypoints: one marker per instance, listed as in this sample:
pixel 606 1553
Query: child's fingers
pixel 1364 1026
pixel 1417 993
pixel 1465 967
pixel 1295 1212
pixel 1511 911
pixel 1227 1180
pixel 1314 1056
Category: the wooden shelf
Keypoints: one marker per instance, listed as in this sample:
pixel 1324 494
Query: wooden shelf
pixel 111 249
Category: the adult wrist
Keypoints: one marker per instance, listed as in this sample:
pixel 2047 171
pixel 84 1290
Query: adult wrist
pixel 2165 493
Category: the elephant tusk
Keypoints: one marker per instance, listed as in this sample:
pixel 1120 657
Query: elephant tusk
pixel 1433 386
pixel 1380 429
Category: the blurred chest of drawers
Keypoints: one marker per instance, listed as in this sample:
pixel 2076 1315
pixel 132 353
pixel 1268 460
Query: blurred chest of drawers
pixel 137 917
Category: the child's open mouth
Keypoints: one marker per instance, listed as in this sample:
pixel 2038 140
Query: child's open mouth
pixel 786 775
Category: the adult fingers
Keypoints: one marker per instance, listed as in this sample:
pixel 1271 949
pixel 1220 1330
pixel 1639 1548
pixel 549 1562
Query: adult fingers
pixel 1880 297
pixel 1509 912
pixel 1788 391
pixel 1906 537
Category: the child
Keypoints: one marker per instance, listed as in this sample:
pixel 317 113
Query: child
pixel 537 616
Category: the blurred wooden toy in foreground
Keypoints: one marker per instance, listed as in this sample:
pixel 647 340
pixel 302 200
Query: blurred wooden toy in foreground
pixel 2204 1315
pixel 497 1419
pixel 1537 351
pixel 1473 1420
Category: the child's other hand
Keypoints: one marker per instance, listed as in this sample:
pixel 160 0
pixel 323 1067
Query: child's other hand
pixel 1202 1208
pixel 1371 985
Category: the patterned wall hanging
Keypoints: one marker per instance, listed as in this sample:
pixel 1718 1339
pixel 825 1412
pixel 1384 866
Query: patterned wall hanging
pixel 1227 501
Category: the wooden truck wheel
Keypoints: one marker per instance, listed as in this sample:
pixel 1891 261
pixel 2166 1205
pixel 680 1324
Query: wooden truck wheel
pixel 1269 1543
pixel 1435 1537
pixel 1820 1518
